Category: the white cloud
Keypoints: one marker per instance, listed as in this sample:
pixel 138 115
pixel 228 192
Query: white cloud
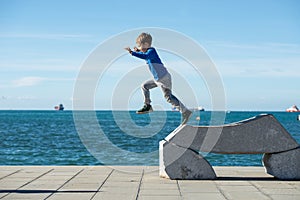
pixel 26 98
pixel 34 80
pixel 266 47
pixel 8 66
pixel 28 81
pixel 267 67
pixel 45 36
pixel 265 59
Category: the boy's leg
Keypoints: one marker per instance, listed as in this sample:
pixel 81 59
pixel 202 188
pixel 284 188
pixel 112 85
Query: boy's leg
pixel 146 86
pixel 166 87
pixel 173 99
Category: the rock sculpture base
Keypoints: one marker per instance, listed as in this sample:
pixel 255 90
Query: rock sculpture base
pixel 263 134
pixel 284 165
pixel 181 163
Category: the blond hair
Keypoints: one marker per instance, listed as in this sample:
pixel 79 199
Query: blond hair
pixel 144 38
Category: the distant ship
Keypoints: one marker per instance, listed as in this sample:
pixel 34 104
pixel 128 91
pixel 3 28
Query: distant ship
pixel 59 107
pixel 294 108
pixel 200 108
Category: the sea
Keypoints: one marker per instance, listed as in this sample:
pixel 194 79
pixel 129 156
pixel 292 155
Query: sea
pixel 109 137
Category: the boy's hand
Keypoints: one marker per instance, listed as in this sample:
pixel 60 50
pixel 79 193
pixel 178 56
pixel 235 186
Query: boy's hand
pixel 128 49
pixel 136 49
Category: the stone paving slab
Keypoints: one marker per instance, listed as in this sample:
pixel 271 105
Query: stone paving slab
pixel 138 182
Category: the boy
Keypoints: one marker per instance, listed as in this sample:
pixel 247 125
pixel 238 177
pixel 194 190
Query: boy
pixel 160 74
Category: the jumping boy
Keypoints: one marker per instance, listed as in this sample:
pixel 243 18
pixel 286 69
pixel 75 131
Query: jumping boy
pixel 160 74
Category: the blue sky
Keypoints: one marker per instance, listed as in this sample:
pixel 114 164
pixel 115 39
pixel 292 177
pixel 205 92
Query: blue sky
pixel 255 46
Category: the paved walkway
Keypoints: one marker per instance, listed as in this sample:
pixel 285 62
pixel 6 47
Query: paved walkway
pixel 102 182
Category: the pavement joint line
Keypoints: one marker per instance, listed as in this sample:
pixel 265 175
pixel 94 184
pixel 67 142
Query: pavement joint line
pixel 102 184
pixel 221 191
pixel 179 189
pixel 260 190
pixel 10 174
pixel 66 183
pixel 28 182
pixel 140 184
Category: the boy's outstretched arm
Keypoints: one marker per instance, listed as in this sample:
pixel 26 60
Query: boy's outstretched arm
pixel 139 54
pixel 130 51
pixel 143 55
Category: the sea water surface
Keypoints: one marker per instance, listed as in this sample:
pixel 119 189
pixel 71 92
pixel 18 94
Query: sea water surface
pixel 53 138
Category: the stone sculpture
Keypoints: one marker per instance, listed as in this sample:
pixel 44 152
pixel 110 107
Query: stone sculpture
pixel 263 134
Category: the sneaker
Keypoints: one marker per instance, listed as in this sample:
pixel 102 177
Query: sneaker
pixel 146 109
pixel 186 116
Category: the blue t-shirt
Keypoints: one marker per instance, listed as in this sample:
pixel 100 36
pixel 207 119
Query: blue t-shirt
pixel 156 67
